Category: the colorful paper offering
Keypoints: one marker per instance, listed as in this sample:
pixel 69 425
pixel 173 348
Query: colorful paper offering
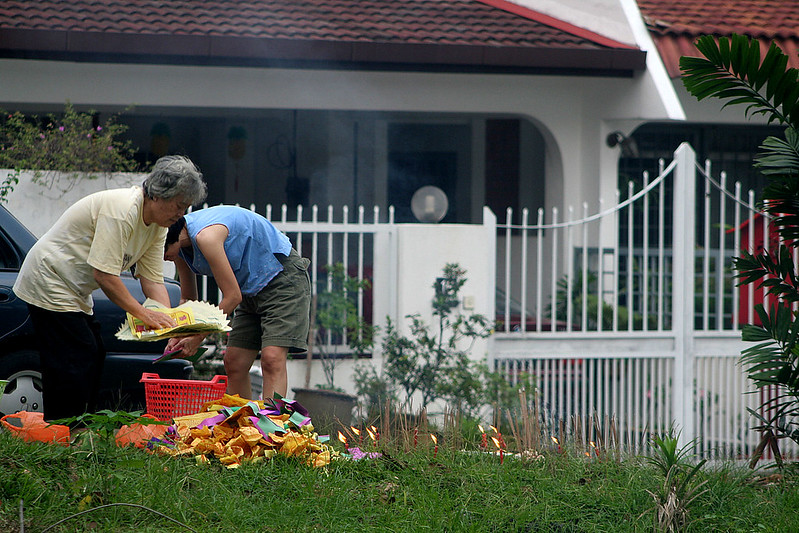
pixel 235 431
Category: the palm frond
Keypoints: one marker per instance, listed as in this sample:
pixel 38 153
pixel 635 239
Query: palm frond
pixel 732 70
pixel 772 270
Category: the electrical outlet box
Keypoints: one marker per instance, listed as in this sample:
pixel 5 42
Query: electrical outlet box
pixel 468 302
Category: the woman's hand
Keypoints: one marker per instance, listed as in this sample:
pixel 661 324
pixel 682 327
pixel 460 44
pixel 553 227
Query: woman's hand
pixel 156 319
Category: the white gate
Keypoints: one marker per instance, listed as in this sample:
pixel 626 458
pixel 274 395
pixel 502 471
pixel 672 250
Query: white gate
pixel 632 314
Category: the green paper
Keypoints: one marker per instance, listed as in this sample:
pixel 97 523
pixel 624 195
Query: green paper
pixel 297 419
pixel 267 425
pixel 196 357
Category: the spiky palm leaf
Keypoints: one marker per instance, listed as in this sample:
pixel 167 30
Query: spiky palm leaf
pixel 732 71
pixel 772 270
pixel 774 360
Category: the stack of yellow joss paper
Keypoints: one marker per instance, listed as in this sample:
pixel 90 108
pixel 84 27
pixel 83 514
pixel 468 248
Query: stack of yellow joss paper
pixel 236 431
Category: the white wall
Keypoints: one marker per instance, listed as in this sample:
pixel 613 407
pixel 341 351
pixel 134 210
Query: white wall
pixel 569 110
pixel 407 262
pixel 39 204
pixel 604 17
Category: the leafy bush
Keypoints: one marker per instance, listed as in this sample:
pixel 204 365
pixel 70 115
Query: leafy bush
pixel 433 361
pixel 70 142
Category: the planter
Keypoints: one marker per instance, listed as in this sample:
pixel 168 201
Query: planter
pixel 326 407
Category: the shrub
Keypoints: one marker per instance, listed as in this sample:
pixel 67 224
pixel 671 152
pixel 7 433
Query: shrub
pixel 71 142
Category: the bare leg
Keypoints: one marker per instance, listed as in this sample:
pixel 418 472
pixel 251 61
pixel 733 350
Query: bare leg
pixel 237 367
pixel 273 367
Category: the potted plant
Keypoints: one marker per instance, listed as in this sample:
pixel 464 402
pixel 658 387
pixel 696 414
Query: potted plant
pixel 338 332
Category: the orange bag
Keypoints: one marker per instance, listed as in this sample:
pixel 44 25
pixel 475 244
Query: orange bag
pixel 140 434
pixel 31 427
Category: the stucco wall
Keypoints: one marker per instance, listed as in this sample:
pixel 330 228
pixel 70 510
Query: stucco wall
pixel 570 111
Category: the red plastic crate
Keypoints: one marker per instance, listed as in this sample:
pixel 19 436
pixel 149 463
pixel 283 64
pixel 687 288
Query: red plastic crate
pixel 168 398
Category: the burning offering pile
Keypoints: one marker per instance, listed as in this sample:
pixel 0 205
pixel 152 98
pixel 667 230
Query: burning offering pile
pixel 236 431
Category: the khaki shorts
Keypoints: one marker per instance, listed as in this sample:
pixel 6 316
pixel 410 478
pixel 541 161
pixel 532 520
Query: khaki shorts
pixel 279 315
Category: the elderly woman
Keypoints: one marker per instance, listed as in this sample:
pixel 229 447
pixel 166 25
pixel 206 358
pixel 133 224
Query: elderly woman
pixel 91 244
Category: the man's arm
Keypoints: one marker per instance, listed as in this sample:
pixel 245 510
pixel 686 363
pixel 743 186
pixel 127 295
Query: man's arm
pixel 211 242
pixel 116 291
pixel 185 346
pixel 188 281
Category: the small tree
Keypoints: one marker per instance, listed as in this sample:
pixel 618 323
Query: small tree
pixel 339 326
pixel 436 364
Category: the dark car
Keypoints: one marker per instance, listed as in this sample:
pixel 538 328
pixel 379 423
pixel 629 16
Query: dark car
pixel 120 388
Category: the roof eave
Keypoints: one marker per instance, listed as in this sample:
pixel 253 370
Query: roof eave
pixel 244 51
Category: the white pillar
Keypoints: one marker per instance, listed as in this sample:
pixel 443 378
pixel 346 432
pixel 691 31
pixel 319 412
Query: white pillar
pixel 683 245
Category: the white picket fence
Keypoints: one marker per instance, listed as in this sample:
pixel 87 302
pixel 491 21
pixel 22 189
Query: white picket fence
pixel 661 350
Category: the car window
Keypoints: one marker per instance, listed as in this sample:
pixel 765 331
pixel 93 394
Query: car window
pixel 9 258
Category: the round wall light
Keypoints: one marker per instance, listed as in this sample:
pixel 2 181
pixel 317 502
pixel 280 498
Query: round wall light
pixel 429 204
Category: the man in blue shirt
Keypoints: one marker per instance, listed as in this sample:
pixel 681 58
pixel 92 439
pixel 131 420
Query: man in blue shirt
pixel 264 284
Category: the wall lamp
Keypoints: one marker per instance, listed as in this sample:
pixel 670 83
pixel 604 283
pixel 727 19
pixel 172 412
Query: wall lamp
pixel 627 144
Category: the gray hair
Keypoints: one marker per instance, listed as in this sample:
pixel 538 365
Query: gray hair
pixel 175 176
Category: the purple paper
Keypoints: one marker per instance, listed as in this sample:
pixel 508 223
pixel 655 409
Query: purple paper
pixel 357 454
pixel 212 420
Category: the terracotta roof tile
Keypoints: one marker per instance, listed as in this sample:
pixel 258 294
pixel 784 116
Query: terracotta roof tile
pixel 758 18
pixel 676 24
pixel 406 21
pixel 464 33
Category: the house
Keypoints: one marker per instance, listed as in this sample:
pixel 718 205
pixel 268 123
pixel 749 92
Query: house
pixel 348 103
pixel 344 103
pixel 535 105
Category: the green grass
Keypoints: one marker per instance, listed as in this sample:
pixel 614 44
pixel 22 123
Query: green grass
pixel 408 491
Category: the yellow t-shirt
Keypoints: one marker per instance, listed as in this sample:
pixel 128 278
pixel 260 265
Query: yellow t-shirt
pixel 102 231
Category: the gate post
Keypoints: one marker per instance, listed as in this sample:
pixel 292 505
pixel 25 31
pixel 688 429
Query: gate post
pixel 683 269
pixel 490 247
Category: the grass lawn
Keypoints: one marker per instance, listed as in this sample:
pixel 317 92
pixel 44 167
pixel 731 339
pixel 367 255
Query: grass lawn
pixel 403 490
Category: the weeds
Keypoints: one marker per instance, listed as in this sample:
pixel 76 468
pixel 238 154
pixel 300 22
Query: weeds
pixel 679 488
pixel 105 423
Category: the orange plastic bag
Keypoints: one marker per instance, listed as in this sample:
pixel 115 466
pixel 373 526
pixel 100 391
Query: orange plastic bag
pixel 140 434
pixel 31 427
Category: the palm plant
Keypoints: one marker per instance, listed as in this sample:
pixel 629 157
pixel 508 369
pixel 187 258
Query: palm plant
pixel 732 70
pixel 680 487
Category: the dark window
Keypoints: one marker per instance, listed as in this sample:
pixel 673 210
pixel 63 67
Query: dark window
pixel 502 165
pixel 9 257
pixel 409 171
pixel 429 154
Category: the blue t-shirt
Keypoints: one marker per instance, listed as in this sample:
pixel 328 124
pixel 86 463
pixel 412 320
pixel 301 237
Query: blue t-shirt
pixel 250 246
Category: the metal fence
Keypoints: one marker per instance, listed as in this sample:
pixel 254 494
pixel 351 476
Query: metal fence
pixel 632 313
pixel 628 315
